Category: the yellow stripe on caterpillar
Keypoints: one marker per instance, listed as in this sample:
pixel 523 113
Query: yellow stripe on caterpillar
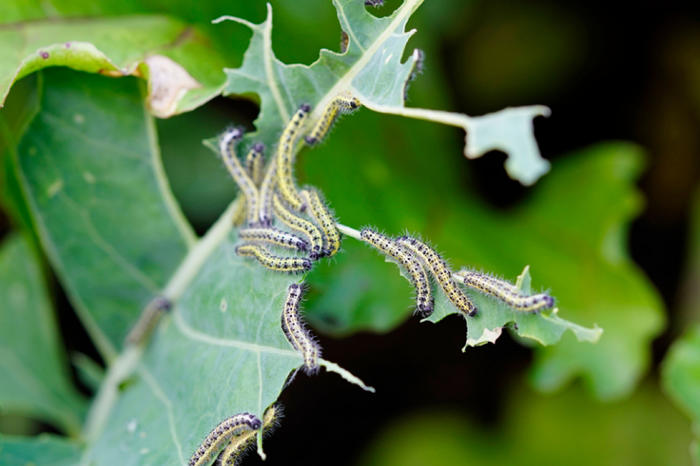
pixel 296 223
pixel 415 270
pixel 286 153
pixel 320 212
pixel 272 262
pixel 296 332
pixel 221 435
pixel 505 292
pixel 442 273
pixel 255 163
pixel 227 143
pixel 236 449
pixel 342 103
pixel 273 236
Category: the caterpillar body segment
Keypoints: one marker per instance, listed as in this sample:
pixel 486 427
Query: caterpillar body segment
pixel 227 144
pixel 221 435
pixel 416 272
pixel 309 230
pixel 236 449
pixel 441 272
pixel 320 212
pixel 255 163
pixel 284 161
pixel 342 103
pixel 296 332
pixel 272 262
pixel 505 292
pixel 275 237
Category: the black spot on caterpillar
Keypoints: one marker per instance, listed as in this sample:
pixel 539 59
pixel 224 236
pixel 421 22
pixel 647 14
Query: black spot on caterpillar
pixel 416 272
pixel 296 223
pixel 227 143
pixel 148 319
pixel 273 236
pixel 342 103
pixel 272 262
pixel 221 435
pixel 441 272
pixel 319 211
pixel 296 332
pixel 286 152
pixel 239 445
pixel 255 162
pixel 505 292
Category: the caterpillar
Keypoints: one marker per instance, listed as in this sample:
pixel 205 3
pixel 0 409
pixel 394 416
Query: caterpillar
pixel 505 292
pixel 238 446
pixel 148 319
pixel 319 211
pixel 342 103
pixel 374 3
pixel 220 435
pixel 286 151
pixel 296 223
pixel 245 183
pixel 418 276
pixel 441 272
pixel 255 162
pixel 272 262
pixel 267 192
pixel 416 69
pixel 273 236
pixel 296 332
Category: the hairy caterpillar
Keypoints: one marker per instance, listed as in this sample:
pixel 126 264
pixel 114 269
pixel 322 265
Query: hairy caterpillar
pixel 343 103
pixel 296 332
pixel 505 292
pixel 323 216
pixel 308 229
pixel 273 236
pixel 418 61
pixel 286 152
pixel 255 162
pixel 441 272
pixel 238 446
pixel 416 272
pixel 148 319
pixel 245 183
pixel 267 192
pixel 272 262
pixel 222 434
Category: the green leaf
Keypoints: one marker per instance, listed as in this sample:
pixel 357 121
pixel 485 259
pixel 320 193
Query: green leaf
pixel 221 351
pixel 36 382
pixel 571 230
pixel 182 69
pixel 44 449
pixel 371 70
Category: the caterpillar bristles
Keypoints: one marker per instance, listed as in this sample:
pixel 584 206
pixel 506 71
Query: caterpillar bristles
pixel 301 225
pixel 272 262
pixel 415 270
pixel 296 332
pixel 221 435
pixel 239 445
pixel 273 236
pixel 227 143
pixel 441 272
pixel 320 212
pixel 286 153
pixel 342 103
pixel 505 292
pixel 255 163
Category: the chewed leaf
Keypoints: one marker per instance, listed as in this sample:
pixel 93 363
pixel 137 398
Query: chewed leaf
pixel 169 53
pixel 487 326
pixel 370 68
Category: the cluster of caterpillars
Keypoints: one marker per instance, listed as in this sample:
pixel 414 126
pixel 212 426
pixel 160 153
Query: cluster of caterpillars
pixel 228 442
pixel 272 196
pixel 421 263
